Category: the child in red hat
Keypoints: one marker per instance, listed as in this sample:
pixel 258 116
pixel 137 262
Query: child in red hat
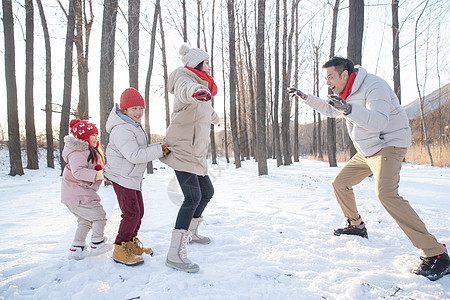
pixel 81 180
pixel 128 153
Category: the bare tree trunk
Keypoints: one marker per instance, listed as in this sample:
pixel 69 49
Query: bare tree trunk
pixel 355 35
pixel 148 78
pixel 212 136
pixel 275 124
pixel 15 158
pixel 133 42
pixel 242 106
pixel 32 157
pixel 285 101
pixel 199 11
pixel 319 119
pixel 421 100
pixel 166 76
pixel 232 51
pixel 251 87
pixel 331 122
pixel 296 108
pixel 261 91
pixel 396 49
pixel 224 96
pixel 183 4
pixel 82 59
pixel 67 93
pixel 107 65
pixel 48 89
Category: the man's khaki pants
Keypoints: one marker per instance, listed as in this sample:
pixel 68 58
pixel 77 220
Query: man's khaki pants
pixel 385 166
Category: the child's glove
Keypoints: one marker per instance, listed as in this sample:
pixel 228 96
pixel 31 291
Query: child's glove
pixel 340 104
pixel 165 150
pixel 99 175
pixel 202 95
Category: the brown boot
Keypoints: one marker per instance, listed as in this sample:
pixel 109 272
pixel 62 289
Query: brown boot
pixel 124 254
pixel 138 248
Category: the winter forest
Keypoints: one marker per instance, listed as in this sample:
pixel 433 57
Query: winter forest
pixel 77 56
pixel 272 158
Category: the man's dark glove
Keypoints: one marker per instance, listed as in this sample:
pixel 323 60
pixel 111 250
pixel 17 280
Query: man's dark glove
pixel 165 150
pixel 202 95
pixel 339 104
pixel 294 92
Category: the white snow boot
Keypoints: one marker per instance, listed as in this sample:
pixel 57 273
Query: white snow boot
pixel 100 248
pixel 193 229
pixel 77 252
pixel 177 256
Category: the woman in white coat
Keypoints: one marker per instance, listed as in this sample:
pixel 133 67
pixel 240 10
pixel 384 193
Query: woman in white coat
pixel 187 137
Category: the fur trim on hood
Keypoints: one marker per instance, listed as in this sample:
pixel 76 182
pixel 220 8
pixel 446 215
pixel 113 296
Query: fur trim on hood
pixel 75 144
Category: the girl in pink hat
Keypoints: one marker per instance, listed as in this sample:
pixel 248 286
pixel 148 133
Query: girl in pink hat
pixel 81 180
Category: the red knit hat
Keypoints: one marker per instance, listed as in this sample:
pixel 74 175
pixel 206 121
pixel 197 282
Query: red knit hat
pixel 82 129
pixel 131 97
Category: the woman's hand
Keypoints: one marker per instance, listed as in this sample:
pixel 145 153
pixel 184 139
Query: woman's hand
pixel 202 95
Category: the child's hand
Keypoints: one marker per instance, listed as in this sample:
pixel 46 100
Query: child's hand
pixel 202 95
pixel 99 175
pixel 165 150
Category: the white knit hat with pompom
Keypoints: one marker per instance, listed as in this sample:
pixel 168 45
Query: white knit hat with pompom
pixel 192 57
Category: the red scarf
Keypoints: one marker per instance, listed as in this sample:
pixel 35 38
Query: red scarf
pixel 206 77
pixel 348 87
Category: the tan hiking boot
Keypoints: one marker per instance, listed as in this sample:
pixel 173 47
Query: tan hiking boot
pixel 138 248
pixel 193 229
pixel 177 256
pixel 124 254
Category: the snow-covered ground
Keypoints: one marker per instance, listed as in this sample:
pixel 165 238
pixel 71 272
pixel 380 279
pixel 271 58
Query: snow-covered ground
pixel 272 238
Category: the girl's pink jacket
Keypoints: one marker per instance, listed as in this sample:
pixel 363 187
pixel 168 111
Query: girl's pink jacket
pixel 79 184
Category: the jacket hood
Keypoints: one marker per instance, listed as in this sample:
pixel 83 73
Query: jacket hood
pixel 359 79
pixel 72 144
pixel 176 73
pixel 75 144
pixel 116 117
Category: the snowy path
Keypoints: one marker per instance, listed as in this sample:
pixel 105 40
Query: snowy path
pixel 272 239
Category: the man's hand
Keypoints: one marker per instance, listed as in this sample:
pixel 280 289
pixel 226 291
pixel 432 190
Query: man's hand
pixel 202 95
pixel 294 92
pixel 340 104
